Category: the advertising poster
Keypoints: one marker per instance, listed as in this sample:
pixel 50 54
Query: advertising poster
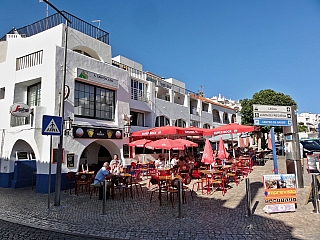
pixel 280 193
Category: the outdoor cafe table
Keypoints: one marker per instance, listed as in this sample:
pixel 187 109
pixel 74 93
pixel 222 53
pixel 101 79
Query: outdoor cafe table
pixel 212 172
pixel 165 179
pixel 113 177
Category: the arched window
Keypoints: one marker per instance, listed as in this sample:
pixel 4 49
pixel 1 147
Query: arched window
pixel 233 118
pixel 216 116
pixel 206 125
pixel 226 118
pixel 162 121
pixel 180 123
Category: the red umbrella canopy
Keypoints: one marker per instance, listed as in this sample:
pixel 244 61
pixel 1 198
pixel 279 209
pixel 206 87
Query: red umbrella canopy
pixel 192 131
pixel 269 142
pixel 165 130
pixel 187 143
pixel 231 128
pixel 222 152
pixel 165 144
pixel 139 143
pixel 207 156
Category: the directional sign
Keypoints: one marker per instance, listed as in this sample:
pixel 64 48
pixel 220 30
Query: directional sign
pixel 268 108
pixel 272 122
pixel 51 125
pixel 272 115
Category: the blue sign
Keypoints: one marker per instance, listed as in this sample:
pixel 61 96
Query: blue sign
pixel 51 125
pixel 272 122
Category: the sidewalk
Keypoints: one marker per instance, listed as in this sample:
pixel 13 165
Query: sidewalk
pixel 210 216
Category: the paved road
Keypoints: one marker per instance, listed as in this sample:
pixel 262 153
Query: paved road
pixel 211 216
pixel 9 230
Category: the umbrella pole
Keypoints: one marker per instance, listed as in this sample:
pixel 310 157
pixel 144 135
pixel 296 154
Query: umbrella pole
pixel 233 152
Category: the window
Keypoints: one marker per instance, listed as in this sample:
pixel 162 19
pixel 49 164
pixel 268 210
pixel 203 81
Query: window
pixel 216 116
pixel 226 118
pixel 138 90
pixel 2 92
pixel 94 102
pixel 194 123
pixel 180 123
pixel 34 95
pixel 162 121
pixel 206 125
pixel 137 118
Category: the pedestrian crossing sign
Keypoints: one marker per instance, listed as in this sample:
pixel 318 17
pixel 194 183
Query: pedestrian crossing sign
pixel 51 125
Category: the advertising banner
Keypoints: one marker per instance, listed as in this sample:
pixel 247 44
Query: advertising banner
pixel 97 133
pixel 280 193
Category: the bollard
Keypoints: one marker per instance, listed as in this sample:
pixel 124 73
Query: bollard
pixel 248 196
pixel 104 198
pixel 315 193
pixel 180 198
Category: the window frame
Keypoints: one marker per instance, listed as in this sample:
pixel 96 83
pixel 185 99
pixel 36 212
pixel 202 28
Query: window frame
pixel 95 101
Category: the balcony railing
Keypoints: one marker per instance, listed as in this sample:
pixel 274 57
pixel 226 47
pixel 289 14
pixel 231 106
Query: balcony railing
pixel 55 20
pixel 140 95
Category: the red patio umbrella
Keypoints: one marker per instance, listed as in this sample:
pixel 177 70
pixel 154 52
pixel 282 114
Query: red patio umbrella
pixel 222 152
pixel 192 131
pixel 167 130
pixel 187 143
pixel 241 142
pixel 165 144
pixel 269 142
pixel 158 131
pixel 231 128
pixel 139 143
pixel 207 156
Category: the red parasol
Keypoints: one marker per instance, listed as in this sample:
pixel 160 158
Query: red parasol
pixel 207 156
pixel 270 142
pixel 187 143
pixel 231 128
pixel 165 144
pixel 241 142
pixel 139 143
pixel 168 130
pixel 222 152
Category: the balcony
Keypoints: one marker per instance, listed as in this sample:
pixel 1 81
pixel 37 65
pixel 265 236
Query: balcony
pixel 55 20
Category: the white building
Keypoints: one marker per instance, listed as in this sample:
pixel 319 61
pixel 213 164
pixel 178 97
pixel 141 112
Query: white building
pixel 100 91
pixel 310 120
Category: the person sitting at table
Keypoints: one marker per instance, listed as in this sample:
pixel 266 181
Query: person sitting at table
pixel 115 167
pixel 252 155
pixel 237 152
pixel 159 162
pixel 174 161
pixel 99 178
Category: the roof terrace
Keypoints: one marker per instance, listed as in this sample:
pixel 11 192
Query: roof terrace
pixel 56 19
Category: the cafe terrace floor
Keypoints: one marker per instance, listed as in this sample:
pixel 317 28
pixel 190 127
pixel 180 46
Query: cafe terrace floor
pixel 210 216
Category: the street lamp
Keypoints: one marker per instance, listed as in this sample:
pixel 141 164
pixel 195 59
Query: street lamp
pixel 61 113
pixel 67 126
pixel 127 128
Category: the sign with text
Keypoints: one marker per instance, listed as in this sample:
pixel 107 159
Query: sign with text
pixel 267 115
pixel 97 133
pixel 97 78
pixel 279 192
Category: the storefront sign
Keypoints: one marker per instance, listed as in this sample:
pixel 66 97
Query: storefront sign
pixel 20 110
pixel 97 133
pixel 280 193
pixel 95 77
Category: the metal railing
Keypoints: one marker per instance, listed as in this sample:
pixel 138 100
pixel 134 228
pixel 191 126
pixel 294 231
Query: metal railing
pixel 140 95
pixel 55 20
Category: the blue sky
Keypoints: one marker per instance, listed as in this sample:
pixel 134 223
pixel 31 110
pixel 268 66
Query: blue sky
pixel 235 48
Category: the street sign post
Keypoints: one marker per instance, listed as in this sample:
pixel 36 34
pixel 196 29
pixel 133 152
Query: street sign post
pixel 52 126
pixel 267 115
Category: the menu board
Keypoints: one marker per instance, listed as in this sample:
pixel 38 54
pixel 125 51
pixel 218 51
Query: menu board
pixel 22 155
pixel 55 155
pixel 126 151
pixel 70 160
pixel 312 161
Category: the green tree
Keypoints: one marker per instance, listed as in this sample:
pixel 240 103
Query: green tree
pixel 264 97
pixel 302 127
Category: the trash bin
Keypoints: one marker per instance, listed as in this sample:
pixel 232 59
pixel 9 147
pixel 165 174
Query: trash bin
pixel 294 167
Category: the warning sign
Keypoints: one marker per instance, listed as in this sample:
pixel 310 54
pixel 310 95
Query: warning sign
pixel 51 125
